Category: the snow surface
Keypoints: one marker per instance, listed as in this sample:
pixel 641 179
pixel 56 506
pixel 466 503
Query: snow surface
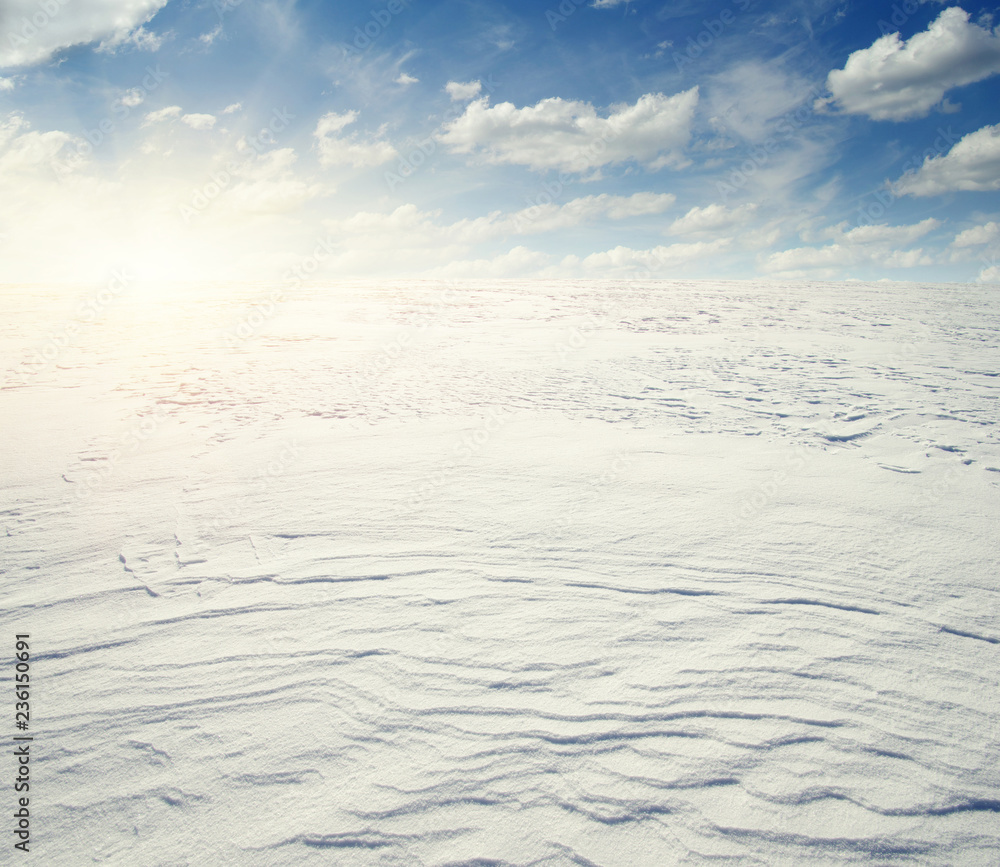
pixel 508 573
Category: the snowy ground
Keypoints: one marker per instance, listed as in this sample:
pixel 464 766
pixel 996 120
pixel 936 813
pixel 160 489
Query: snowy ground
pixel 507 574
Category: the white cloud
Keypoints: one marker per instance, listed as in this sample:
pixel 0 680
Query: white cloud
pixel 229 109
pixel 638 204
pixel 569 135
pixel 882 233
pixel 162 114
pixel 989 274
pixel 863 245
pixel 10 126
pixel 462 92
pixel 199 121
pixel 658 260
pixel 140 39
pixel 978 235
pixel 132 98
pixel 334 151
pixel 409 240
pixel 515 262
pixel 896 79
pixel 244 216
pixel 608 4
pixel 32 152
pixel 420 228
pixel 267 185
pixel 405 79
pixel 331 122
pixel 972 165
pixel 210 37
pixel 712 218
pixel 753 99
pixel 6 84
pixel 32 35
pixel 551 217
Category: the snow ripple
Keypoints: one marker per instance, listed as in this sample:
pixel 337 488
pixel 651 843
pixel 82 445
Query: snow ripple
pixel 641 596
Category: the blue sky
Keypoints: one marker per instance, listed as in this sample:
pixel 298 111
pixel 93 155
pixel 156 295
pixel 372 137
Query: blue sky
pixel 733 139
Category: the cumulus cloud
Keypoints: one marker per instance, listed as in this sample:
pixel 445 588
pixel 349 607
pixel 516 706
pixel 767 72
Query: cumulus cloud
pixel 989 274
pixel 882 233
pixel 463 92
pixel 199 121
pixel 864 245
pixel 10 126
pixel 972 165
pixel 336 151
pixel 412 240
pixel 571 136
pixel 898 79
pixel 420 227
pixel 267 185
pixel 30 34
pixel 550 217
pixel 405 79
pixel 132 98
pixel 28 152
pixel 162 114
pixel 515 262
pixel 978 236
pixel 830 260
pixel 658 260
pixel 6 84
pixel 712 218
pixel 229 109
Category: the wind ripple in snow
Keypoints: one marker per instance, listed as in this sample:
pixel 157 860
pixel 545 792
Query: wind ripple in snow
pixel 515 598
